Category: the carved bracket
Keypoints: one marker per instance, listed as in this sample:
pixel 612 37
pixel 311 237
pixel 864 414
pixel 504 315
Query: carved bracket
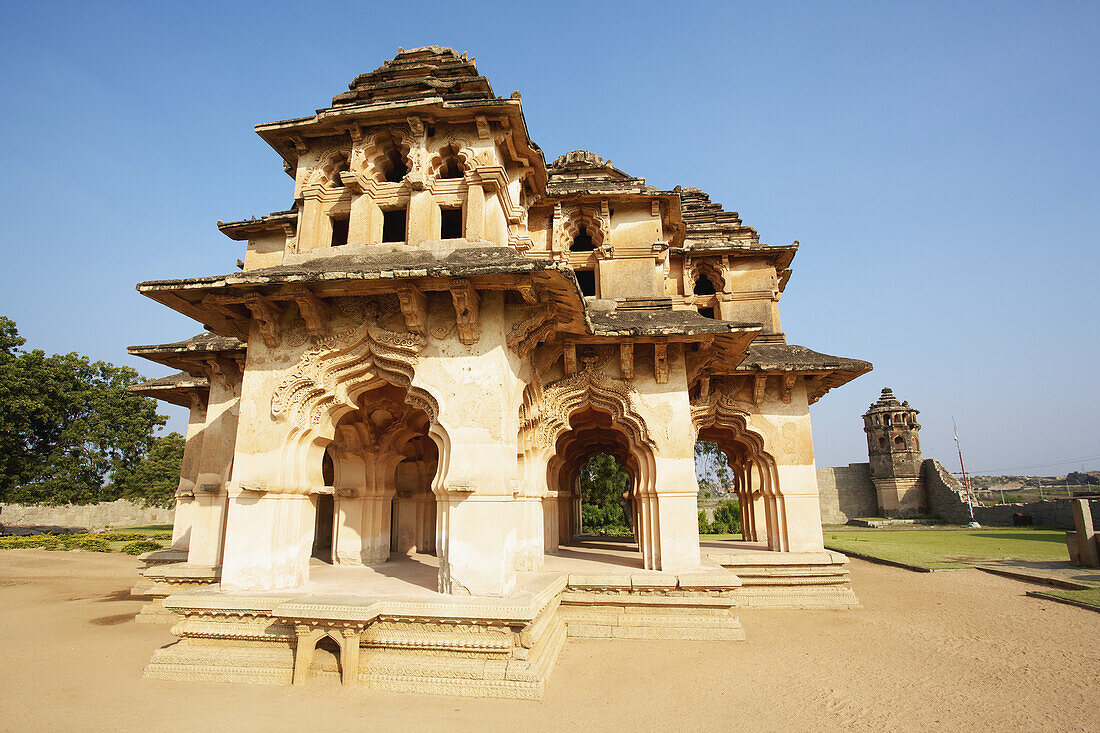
pixel 315 312
pixel 267 315
pixel 414 306
pixel 660 362
pixel 626 360
pixel 467 311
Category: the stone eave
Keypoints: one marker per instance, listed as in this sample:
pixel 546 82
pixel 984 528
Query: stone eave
pixel 192 354
pixel 822 372
pixel 245 229
pixel 221 302
pixel 281 135
pixel 176 388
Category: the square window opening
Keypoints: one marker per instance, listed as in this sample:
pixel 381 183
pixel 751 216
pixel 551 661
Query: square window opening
pixel 450 224
pixel 339 230
pixel 393 225
pixel 587 280
pixel 706 312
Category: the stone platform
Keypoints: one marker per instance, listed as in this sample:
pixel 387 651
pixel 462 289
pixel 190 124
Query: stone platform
pixel 387 628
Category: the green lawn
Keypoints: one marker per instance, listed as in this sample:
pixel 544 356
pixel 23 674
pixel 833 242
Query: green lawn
pixel 941 547
pixel 1090 596
pixel 720 536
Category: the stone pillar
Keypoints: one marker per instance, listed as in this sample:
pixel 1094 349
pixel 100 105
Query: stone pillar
pixel 189 473
pixel 1086 534
pixel 799 509
pixel 677 508
pixel 347 542
pixel 475 212
pixel 361 220
pixel 420 218
pixel 215 465
pixel 268 541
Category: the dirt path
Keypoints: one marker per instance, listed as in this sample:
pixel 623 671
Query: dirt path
pixel 953 651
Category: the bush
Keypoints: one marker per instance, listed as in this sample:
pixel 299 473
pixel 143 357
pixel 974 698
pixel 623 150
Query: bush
pixel 93 544
pixel 162 535
pixel 112 536
pixel 45 541
pixel 727 519
pixel 594 518
pixel 140 547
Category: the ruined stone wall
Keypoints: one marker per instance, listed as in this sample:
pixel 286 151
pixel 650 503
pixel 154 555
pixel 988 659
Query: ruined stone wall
pixel 121 513
pixel 946 497
pixel 846 492
pixel 1057 513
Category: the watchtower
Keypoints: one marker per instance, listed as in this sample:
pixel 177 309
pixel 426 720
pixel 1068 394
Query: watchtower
pixel 893 446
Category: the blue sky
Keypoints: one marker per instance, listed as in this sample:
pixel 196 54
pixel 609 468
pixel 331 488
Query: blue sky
pixel 937 161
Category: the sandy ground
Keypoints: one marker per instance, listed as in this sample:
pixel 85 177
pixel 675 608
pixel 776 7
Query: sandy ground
pixel 955 651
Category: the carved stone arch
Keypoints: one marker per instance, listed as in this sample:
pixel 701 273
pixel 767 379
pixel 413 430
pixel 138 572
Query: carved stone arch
pixel 703 267
pixel 326 384
pixel 587 388
pixel 330 162
pixel 588 218
pixel 457 149
pixel 374 160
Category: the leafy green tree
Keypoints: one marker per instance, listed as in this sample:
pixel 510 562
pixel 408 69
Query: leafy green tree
pixel 67 424
pixel 712 469
pixel 155 478
pixel 603 483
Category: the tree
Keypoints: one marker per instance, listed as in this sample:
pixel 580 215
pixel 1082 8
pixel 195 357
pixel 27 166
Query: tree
pixel 67 424
pixel 154 480
pixel 603 483
pixel 712 469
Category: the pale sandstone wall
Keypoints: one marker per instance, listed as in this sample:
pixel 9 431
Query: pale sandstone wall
pixel 120 513
pixel 846 492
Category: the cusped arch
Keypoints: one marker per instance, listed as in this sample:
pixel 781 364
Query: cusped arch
pixel 589 387
pixel 584 218
pixel 326 385
pixel 331 162
pixel 384 155
pixel 453 153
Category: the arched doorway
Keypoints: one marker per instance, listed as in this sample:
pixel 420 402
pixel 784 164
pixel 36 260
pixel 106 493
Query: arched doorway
pixel 383 466
pixel 754 481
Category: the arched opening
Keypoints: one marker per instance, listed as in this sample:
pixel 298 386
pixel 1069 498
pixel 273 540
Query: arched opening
pixel 881 442
pixel 383 466
pixel 339 165
pixel 899 441
pixel 595 465
pixel 605 497
pixel 749 482
pixel 703 285
pixel 719 500
pixel 323 528
pixel 327 659
pixel 582 242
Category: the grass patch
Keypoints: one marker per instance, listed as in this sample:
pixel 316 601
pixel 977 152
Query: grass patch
pixel 940 547
pixel 720 536
pixel 145 528
pixel 1090 597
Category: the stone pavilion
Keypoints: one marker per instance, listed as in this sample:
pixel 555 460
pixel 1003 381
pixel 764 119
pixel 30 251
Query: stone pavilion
pixel 392 399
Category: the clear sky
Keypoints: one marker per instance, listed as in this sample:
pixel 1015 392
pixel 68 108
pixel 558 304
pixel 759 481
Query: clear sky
pixel 937 161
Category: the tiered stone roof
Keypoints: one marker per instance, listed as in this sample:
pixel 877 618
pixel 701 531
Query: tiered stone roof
pixel 707 223
pixel 419 73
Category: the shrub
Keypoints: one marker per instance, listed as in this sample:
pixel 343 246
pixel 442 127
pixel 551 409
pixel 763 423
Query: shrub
pixel 162 535
pixel 112 536
pixel 140 547
pixel 93 544
pixel 45 541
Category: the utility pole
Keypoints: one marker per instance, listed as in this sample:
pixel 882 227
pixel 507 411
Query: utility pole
pixel 1041 489
pixel 966 479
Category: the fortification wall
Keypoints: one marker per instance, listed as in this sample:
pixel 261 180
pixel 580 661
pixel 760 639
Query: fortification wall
pixel 845 492
pixel 946 496
pixel 1056 513
pixel 120 513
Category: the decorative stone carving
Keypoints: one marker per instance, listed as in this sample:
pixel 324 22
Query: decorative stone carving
pixel 467 311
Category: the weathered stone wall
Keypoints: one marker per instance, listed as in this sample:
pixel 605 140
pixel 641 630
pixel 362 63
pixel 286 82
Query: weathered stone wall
pixel 946 497
pixel 121 513
pixel 1056 513
pixel 846 492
